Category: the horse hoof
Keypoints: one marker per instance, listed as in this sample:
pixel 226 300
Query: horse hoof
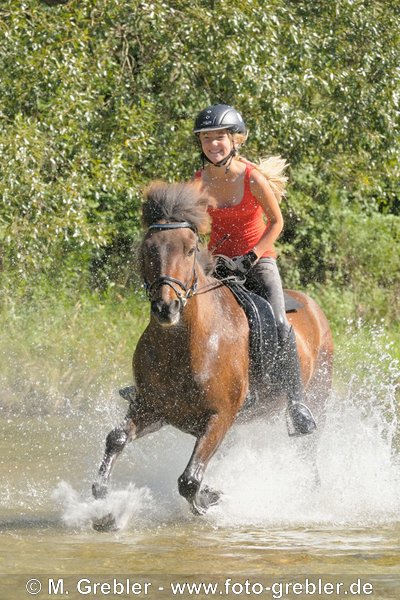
pixel 210 496
pixel 205 498
pixel 197 509
pixel 106 523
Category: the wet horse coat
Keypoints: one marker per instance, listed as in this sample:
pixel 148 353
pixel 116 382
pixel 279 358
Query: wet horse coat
pixel 191 365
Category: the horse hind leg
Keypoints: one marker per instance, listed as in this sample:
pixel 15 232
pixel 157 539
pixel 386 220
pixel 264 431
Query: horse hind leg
pixel 318 394
pixel 307 452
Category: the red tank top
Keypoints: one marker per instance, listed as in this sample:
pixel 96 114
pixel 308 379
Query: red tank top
pixel 236 229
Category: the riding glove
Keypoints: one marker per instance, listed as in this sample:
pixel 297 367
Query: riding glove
pixel 244 263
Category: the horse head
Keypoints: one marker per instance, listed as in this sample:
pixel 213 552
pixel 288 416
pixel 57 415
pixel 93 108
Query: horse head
pixel 173 215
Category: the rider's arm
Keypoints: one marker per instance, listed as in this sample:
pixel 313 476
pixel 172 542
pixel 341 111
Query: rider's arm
pixel 262 191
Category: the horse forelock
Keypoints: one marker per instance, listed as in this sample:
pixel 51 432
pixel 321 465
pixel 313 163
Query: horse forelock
pixel 177 202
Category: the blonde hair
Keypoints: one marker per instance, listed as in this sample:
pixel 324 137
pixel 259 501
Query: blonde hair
pixel 272 167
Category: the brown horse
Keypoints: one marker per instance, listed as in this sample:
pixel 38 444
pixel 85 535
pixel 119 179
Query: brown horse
pixel 191 365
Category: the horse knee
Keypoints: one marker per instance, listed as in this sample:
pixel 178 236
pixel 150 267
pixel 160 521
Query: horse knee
pixel 116 440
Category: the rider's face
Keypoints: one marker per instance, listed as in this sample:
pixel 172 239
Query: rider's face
pixel 216 145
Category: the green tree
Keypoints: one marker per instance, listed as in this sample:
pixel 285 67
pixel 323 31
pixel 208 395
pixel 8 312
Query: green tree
pixel 97 97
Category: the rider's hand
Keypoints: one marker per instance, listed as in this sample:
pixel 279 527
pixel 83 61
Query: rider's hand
pixel 246 262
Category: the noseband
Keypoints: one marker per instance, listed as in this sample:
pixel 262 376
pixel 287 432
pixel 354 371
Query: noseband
pixel 172 282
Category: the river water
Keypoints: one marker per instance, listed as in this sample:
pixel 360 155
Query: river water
pixel 272 527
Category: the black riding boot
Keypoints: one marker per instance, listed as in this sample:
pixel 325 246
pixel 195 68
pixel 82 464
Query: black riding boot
pixel 299 418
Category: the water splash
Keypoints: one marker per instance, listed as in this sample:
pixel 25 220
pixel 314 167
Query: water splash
pixel 125 505
pixel 264 475
pixel 268 480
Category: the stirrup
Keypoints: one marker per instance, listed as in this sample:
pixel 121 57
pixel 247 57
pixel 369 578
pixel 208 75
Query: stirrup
pixel 128 393
pixel 299 420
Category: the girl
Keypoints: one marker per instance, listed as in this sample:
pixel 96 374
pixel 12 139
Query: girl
pixel 246 222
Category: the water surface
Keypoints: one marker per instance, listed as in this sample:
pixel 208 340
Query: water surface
pixel 272 524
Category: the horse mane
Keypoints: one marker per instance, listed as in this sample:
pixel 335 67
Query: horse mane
pixel 177 202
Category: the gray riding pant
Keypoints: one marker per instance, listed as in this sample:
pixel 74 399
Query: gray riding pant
pixel 264 279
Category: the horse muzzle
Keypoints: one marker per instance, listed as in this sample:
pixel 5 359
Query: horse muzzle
pixel 165 310
pixel 167 314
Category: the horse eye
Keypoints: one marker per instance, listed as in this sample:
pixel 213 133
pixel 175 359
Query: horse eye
pixel 191 251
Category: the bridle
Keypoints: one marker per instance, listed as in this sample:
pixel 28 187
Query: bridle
pixel 172 282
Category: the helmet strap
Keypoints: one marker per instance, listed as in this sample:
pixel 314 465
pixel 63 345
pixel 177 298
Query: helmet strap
pixel 225 161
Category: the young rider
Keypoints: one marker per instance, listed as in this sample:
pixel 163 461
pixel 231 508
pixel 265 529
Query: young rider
pixel 246 222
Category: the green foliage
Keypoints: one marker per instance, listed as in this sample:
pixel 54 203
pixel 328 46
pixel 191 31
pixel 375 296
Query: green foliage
pixel 370 264
pixel 345 255
pixel 97 97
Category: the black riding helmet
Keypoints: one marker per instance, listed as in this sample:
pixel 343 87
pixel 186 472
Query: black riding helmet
pixel 215 117
pixel 219 116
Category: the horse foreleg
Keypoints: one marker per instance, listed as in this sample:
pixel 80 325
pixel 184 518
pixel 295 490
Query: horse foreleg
pixel 189 483
pixel 116 440
pixel 115 443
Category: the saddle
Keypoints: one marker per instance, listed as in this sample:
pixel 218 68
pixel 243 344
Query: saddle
pixel 263 341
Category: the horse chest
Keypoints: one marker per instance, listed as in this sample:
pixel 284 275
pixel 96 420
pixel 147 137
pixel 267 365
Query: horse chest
pixel 185 373
pixel 163 367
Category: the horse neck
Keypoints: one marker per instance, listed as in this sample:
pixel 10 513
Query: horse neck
pixel 206 305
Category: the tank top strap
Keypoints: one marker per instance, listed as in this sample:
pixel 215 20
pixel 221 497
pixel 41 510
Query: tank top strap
pixel 249 168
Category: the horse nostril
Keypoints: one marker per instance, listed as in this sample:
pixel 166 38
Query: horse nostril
pixel 174 307
pixel 157 307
